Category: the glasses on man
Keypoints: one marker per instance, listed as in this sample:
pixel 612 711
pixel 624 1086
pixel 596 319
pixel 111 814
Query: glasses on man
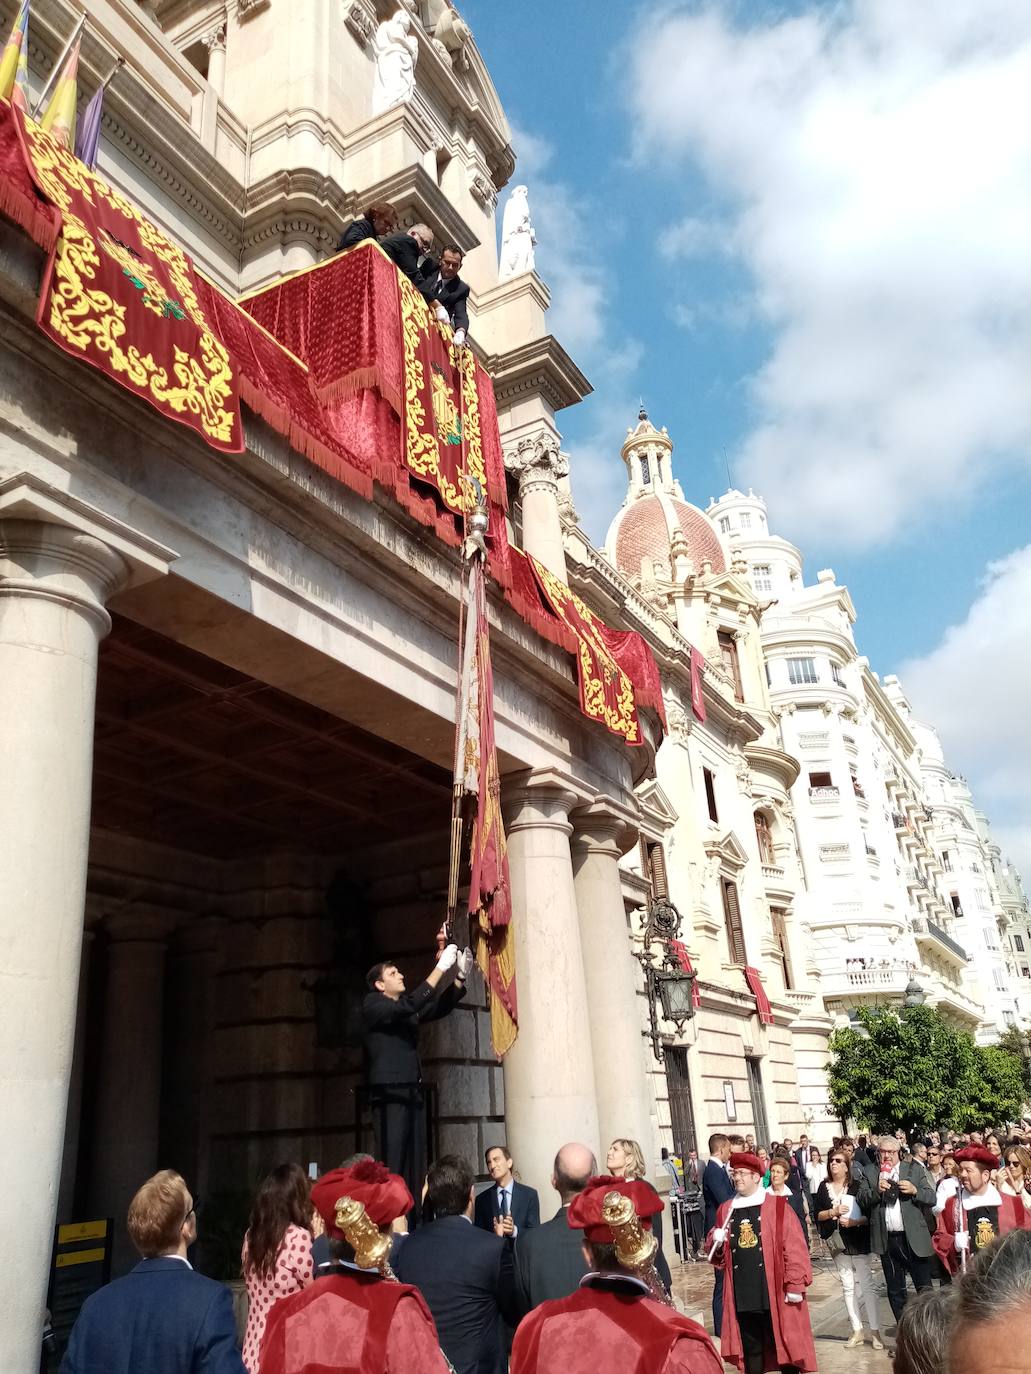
pixel 838 1159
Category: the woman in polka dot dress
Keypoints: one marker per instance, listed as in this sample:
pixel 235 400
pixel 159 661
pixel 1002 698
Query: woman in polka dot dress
pixel 276 1256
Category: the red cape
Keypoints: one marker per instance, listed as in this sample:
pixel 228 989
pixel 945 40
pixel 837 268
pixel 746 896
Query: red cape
pixel 351 1324
pixel 788 1270
pixel 598 1331
pixel 1012 1217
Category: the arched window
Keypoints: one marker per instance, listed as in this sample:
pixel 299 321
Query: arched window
pixel 763 835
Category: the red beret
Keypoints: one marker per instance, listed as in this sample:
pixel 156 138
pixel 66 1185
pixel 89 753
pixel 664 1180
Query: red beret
pixel 585 1210
pixel 384 1195
pixel 747 1161
pixel 977 1154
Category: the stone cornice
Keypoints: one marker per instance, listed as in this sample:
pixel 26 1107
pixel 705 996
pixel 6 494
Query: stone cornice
pixel 542 365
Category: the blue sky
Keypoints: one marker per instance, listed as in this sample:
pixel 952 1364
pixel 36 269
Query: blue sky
pixel 801 232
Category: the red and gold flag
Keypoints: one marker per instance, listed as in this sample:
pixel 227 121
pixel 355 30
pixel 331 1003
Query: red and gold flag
pixel 490 900
pixel 124 298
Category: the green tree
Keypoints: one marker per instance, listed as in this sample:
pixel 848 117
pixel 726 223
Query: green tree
pixel 900 1069
pixel 1000 1093
pixel 1018 1044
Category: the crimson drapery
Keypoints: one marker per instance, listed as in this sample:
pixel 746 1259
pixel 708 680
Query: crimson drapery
pixel 762 1003
pixel 697 694
pixel 616 669
pixel 123 297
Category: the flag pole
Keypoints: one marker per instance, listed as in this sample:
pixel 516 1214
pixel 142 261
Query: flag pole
pixel 58 66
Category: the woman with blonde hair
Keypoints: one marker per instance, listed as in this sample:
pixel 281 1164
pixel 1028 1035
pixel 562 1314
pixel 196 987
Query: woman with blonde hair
pixel 1015 1175
pixel 625 1159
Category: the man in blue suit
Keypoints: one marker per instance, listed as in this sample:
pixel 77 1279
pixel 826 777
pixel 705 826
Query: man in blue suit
pixel 717 1189
pixel 506 1207
pixel 162 1317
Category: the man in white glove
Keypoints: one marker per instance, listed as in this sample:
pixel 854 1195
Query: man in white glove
pixel 758 1245
pixel 391 1017
pixel 447 293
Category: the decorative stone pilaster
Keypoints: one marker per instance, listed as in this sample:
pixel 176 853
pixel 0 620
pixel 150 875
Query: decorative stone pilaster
pixel 59 562
pixel 215 42
pixel 539 464
pixel 601 833
pixel 128 1111
pixel 549 1072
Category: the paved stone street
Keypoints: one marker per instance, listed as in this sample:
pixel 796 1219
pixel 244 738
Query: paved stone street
pixel 692 1283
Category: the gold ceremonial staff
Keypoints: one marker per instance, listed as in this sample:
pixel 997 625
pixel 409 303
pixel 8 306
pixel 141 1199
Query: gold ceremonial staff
pixel 635 1247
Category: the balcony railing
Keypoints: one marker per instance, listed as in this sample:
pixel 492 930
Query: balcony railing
pixel 924 927
pixel 870 982
pixel 823 794
pixel 773 872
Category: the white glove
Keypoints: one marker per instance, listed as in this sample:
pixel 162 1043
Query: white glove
pixel 719 1235
pixel 459 337
pixel 792 1297
pixel 442 316
pixel 465 962
pixel 962 1240
pixel 448 958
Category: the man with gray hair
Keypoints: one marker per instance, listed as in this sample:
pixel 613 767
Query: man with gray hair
pixel 898 1231
pixel 549 1260
pixel 409 249
pixel 992 1330
pixel 922 1341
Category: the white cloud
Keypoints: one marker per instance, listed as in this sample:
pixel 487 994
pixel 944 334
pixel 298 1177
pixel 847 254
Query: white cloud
pixel 873 158
pixel 974 688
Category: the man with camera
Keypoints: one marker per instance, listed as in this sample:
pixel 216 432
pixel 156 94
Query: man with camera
pixel 898 1231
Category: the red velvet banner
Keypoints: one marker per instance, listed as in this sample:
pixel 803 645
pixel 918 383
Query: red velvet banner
pixel 616 668
pixel 697 693
pixel 762 1003
pixel 124 298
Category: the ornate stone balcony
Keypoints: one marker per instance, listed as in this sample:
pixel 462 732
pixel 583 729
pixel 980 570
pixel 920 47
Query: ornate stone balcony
pixel 932 935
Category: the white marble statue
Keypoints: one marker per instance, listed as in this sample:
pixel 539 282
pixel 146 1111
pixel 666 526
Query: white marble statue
pixel 396 50
pixel 517 237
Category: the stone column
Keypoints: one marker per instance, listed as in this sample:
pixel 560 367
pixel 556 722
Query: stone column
pixel 539 464
pixel 54 580
pixel 215 42
pixel 549 1072
pixel 128 1114
pixel 612 975
pixel 73 1117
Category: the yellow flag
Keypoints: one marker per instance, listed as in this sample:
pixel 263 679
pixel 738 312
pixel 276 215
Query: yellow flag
pixel 13 66
pixel 59 119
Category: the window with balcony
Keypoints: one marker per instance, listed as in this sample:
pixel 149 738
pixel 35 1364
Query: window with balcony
pixel 731 663
pixel 745 520
pixel 957 909
pixel 765 839
pixel 1000 979
pixel 762 577
pixel 946 861
pixel 778 920
pixel 990 940
pixel 1018 944
pixel 819 782
pixel 802 671
pixel 836 675
pixel 709 780
pixel 981 898
pixel 724 524
pixel 732 920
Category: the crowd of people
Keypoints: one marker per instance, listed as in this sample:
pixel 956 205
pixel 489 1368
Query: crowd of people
pixel 350 1274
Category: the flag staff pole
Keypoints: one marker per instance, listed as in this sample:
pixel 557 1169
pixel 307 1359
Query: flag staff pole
pixel 58 66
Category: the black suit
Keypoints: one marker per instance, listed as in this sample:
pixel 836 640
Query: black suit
pixel 453 295
pixel 549 1262
pixel 403 250
pixel 716 1189
pixel 393 1073
pixel 525 1207
pixel 468 1281
pixel 356 232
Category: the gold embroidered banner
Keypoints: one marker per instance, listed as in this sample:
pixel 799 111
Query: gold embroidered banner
pixel 441 435
pixel 606 692
pixel 121 296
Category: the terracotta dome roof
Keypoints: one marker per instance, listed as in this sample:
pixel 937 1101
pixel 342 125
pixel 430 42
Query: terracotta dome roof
pixel 647 528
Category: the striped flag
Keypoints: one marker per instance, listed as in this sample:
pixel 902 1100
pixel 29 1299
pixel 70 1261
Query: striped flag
pixel 14 65
pixel 59 118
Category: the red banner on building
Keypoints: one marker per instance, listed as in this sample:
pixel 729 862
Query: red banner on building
pixel 684 960
pixel 123 297
pixel 615 667
pixel 697 693
pixel 762 1002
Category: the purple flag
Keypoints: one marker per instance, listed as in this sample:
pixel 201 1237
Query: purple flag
pixel 87 135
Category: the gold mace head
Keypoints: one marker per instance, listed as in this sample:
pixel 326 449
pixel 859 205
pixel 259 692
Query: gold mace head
pixel 635 1246
pixel 371 1247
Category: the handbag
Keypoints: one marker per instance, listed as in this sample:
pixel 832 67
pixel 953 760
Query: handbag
pixel 835 1242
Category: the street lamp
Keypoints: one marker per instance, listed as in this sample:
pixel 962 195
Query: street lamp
pixel 665 982
pixel 915 995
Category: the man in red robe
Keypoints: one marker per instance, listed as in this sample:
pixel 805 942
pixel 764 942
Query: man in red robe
pixel 612 1324
pixel 758 1243
pixel 977 1213
pixel 351 1320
